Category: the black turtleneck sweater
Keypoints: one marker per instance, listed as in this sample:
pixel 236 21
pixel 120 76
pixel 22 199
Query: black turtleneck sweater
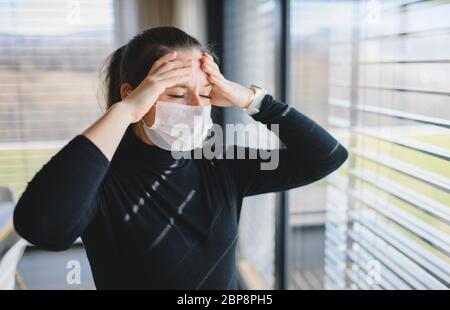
pixel 149 221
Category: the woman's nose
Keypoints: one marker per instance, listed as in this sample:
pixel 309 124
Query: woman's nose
pixel 195 100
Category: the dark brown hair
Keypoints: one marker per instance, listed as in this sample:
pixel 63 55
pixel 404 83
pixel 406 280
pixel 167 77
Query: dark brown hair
pixel 131 62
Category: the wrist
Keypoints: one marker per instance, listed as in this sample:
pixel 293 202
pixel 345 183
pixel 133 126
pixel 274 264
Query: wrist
pixel 124 111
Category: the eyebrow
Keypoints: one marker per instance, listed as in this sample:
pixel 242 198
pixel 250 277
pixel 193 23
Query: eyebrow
pixel 185 86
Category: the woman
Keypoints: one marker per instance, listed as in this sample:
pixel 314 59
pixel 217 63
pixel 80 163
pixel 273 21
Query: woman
pixel 149 220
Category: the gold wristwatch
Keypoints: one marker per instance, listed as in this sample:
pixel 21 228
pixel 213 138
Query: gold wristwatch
pixel 255 102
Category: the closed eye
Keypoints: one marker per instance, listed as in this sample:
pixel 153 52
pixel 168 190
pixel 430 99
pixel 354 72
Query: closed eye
pixel 183 96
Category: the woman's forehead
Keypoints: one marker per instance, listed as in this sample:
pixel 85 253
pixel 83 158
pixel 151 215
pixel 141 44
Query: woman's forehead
pixel 199 77
pixel 185 54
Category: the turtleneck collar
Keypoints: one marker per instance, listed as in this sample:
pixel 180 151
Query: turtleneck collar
pixel 136 152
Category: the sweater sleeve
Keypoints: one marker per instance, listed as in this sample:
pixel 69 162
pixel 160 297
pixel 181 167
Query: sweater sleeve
pixel 61 199
pixel 309 153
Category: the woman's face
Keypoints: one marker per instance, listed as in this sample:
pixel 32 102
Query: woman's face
pixel 195 92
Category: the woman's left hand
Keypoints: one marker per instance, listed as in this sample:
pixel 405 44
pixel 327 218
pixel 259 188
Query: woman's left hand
pixel 224 92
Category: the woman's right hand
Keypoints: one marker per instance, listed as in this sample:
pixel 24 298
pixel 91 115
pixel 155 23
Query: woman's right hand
pixel 166 72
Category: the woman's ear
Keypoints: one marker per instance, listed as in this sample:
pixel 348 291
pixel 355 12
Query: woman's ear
pixel 125 90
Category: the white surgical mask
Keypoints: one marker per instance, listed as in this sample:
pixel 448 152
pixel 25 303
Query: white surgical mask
pixel 179 127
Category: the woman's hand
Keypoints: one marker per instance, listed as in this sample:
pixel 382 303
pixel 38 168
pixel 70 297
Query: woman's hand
pixel 224 92
pixel 165 73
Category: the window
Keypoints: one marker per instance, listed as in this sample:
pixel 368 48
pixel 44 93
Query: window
pixel 388 211
pixel 51 53
pixel 309 54
pixel 376 74
pixel 249 58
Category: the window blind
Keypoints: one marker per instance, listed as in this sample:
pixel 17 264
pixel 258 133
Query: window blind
pixel 389 212
pixel 50 56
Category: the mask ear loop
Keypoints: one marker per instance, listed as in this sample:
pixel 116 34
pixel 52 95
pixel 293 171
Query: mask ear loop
pixel 208 122
pixel 143 123
pixel 142 119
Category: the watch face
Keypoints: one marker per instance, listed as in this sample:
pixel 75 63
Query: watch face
pixel 258 88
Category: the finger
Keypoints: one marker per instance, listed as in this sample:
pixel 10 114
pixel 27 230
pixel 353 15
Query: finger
pixel 171 65
pixel 163 59
pixel 212 71
pixel 212 68
pixel 174 72
pixel 220 83
pixel 212 63
pixel 209 56
pixel 209 61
